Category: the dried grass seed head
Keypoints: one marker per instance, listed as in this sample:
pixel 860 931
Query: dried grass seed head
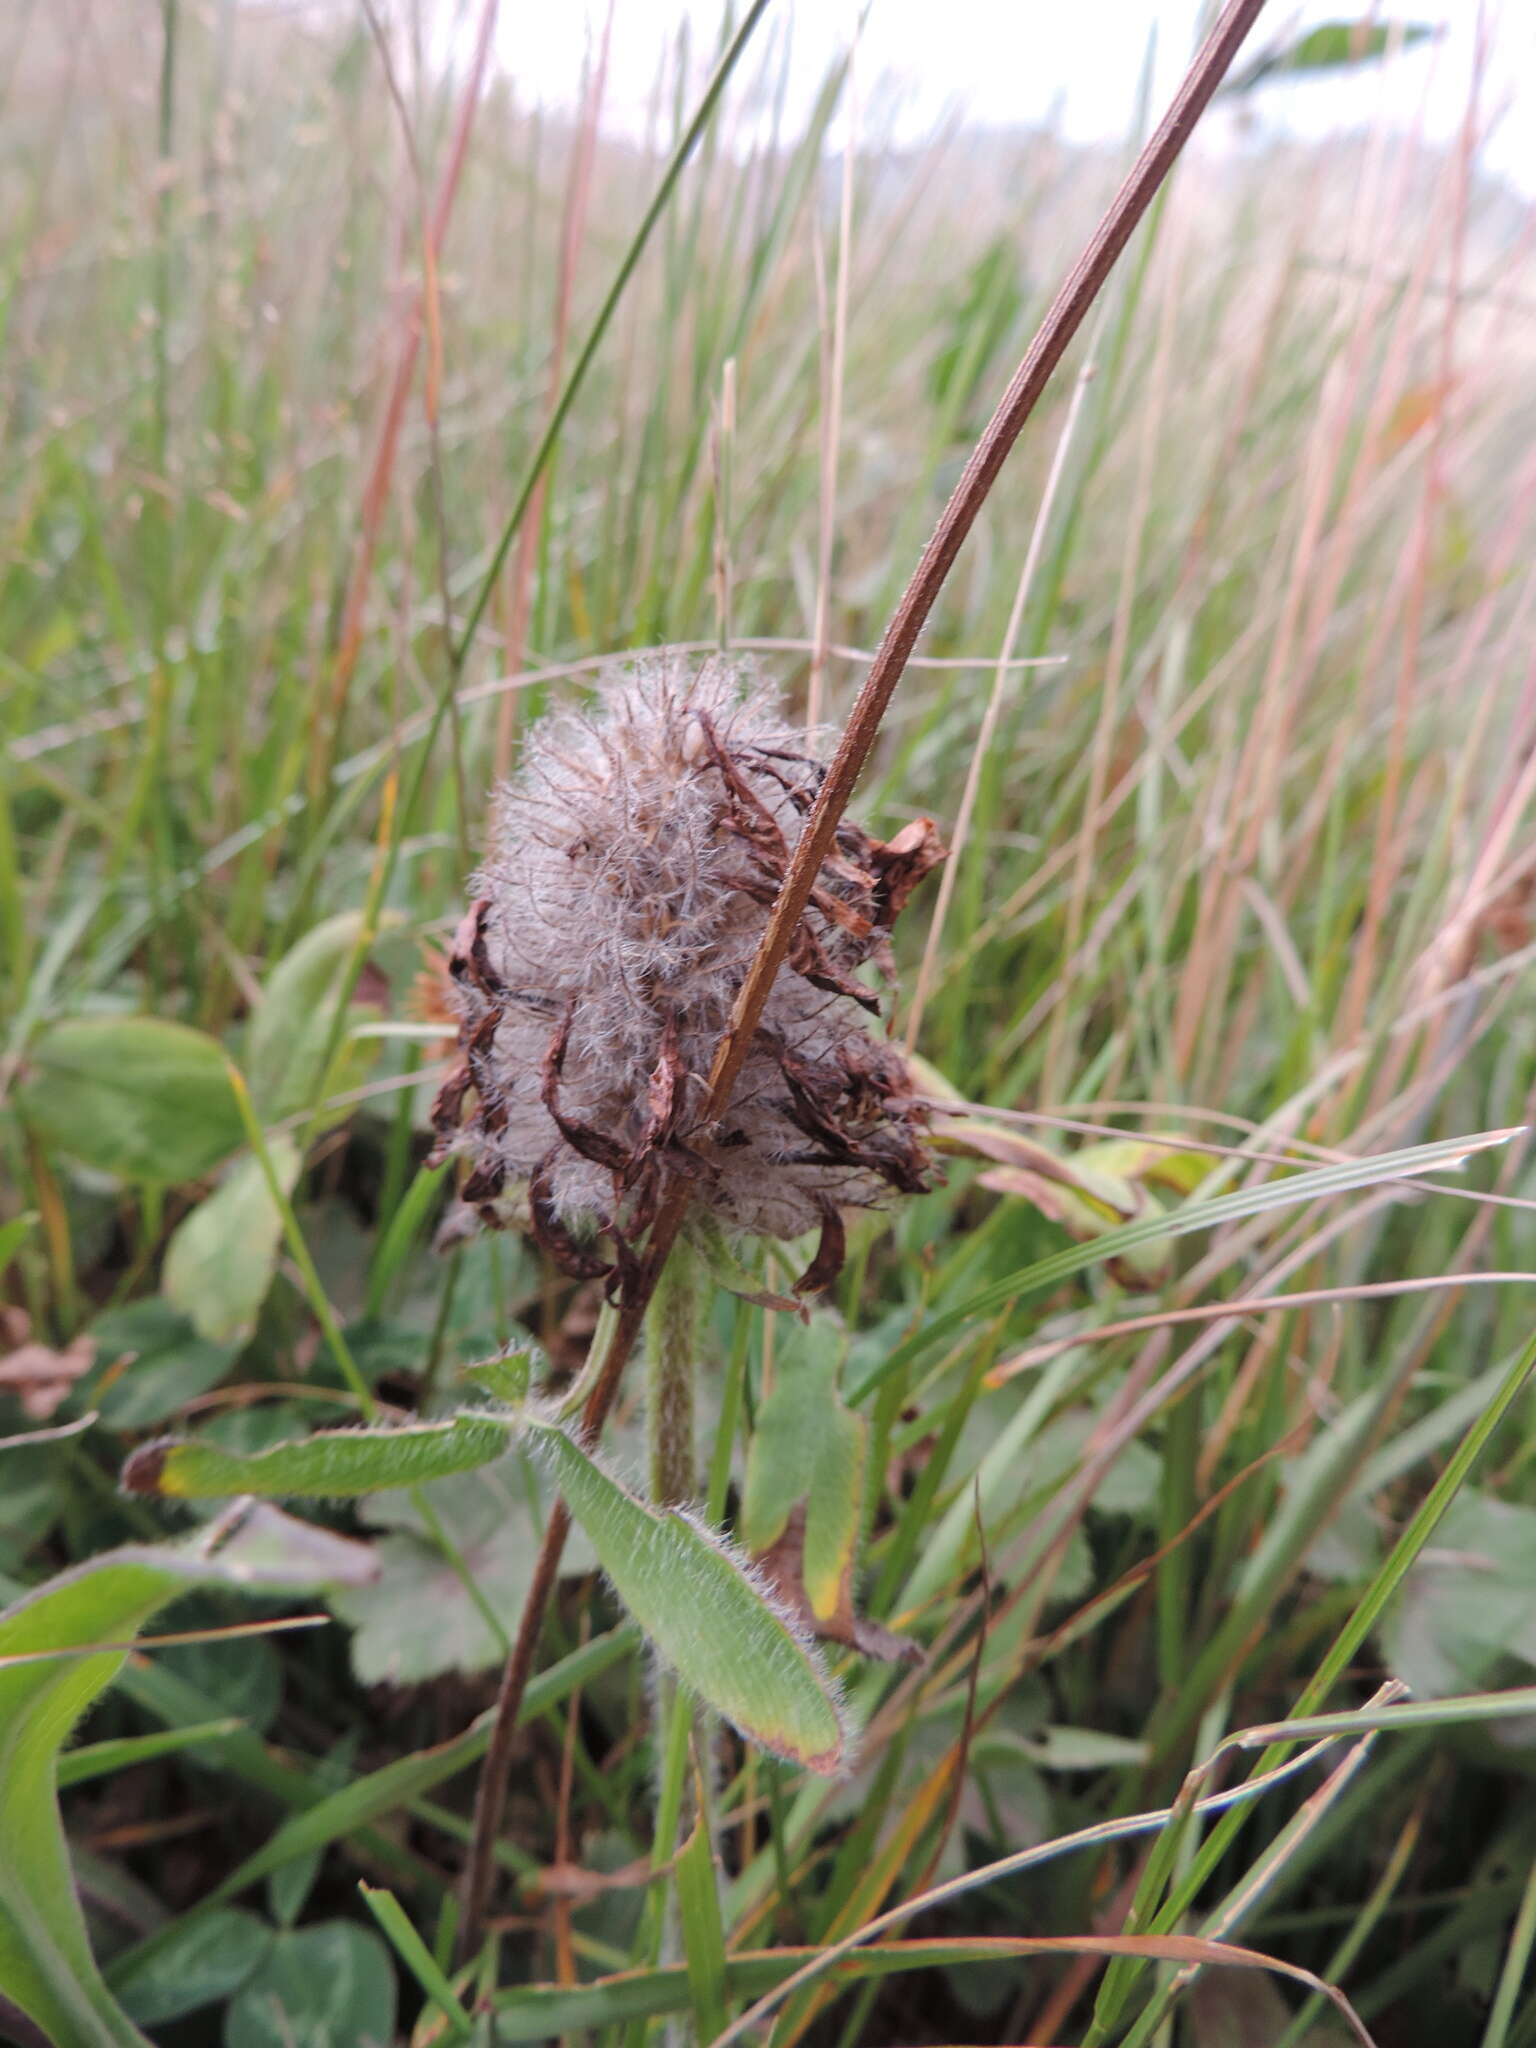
pixel 634 861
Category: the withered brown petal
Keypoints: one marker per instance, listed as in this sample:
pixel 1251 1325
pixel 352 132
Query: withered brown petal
pixel 594 1145
pixel 901 863
pixel 783 1565
pixel 831 1251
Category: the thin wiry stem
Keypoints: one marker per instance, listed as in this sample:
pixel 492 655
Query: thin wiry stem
pixel 1061 322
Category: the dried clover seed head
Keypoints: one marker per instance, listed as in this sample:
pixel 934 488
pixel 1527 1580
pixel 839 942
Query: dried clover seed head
pixel 635 859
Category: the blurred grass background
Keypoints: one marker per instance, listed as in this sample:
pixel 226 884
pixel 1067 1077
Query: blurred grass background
pixel 1244 856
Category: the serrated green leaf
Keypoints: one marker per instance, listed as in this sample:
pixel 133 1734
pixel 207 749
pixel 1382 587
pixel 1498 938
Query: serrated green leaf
pixel 140 1097
pixel 331 1986
pixel 291 1027
pixel 46 1965
pixel 221 1258
pixel 331 1464
pixel 208 1959
pixel 698 1603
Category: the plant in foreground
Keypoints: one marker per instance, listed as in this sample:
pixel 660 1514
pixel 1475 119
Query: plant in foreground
pixel 635 862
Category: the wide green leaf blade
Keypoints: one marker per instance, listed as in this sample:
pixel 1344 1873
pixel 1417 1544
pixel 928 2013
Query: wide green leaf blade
pixel 46 1965
pixel 333 1463
pixel 136 1096
pixel 221 1258
pixel 700 1606
pixel 291 1029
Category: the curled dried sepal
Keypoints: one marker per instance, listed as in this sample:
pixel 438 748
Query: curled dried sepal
pixel 782 1564
pixel 635 861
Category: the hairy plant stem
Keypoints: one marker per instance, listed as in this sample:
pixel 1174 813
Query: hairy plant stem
pixel 1062 320
pixel 672 1327
pixel 671 1352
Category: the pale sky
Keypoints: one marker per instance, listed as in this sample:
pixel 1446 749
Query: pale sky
pixel 1002 62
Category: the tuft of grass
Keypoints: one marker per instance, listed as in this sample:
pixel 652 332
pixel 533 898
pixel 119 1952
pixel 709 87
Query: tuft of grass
pixel 1231 689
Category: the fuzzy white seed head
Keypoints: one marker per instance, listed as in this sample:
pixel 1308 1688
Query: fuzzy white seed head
pixel 635 858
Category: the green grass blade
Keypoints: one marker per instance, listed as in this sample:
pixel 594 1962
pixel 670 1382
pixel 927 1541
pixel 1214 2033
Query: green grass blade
pixel 1316 1185
pixel 417 1957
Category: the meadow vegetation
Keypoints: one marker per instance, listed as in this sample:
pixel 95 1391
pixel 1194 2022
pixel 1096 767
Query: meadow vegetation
pixel 1195 1398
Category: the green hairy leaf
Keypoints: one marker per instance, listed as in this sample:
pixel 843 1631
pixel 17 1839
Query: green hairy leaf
pixel 136 1096
pixel 46 1965
pixel 706 1615
pixel 331 1463
pixel 699 1603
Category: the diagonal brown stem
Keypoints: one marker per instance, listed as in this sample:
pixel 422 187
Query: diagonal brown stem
pixel 1056 330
